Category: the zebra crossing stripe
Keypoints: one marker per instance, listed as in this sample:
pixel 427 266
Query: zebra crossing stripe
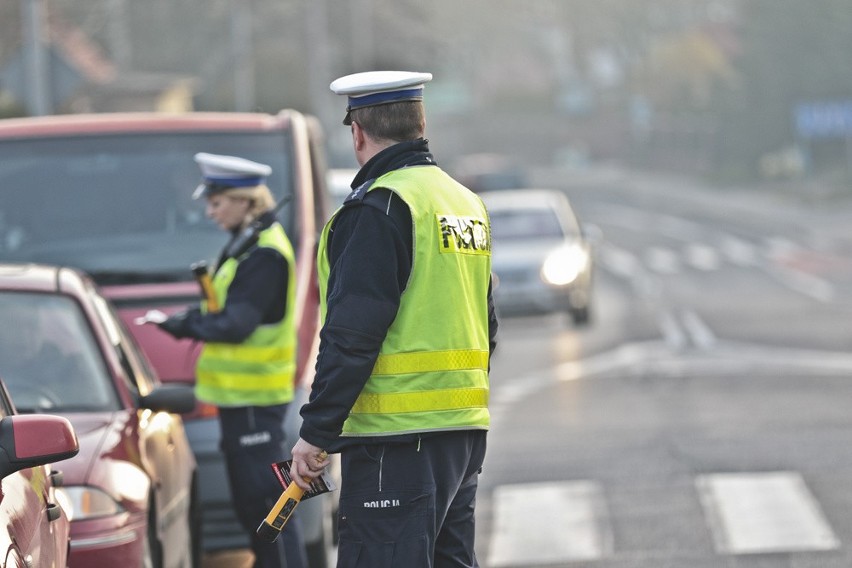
pixel 762 513
pixel 547 523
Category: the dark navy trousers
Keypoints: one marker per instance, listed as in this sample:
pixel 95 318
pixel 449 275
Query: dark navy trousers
pixel 410 505
pixel 252 440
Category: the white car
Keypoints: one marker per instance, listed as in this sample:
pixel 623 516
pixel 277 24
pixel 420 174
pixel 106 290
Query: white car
pixel 542 257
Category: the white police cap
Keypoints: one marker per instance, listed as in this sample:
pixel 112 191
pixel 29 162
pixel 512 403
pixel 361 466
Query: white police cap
pixel 222 173
pixel 373 88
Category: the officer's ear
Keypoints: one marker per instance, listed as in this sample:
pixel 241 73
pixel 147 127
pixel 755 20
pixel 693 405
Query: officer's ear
pixel 359 138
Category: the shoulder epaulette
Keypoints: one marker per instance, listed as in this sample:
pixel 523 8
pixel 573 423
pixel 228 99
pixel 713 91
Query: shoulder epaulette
pixel 358 194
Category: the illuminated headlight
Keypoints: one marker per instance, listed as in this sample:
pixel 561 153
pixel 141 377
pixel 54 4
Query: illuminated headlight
pixel 563 265
pixel 86 503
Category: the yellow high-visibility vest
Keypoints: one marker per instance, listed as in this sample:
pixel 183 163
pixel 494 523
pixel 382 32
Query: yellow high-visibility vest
pixel 432 370
pixel 261 370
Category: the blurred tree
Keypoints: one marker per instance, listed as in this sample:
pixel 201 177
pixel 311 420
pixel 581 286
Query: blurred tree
pixel 10 28
pixel 585 62
pixel 685 71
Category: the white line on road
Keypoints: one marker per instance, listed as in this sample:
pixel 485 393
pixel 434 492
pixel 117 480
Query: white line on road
pixel 700 333
pixel 677 333
pixel 763 512
pixel 804 283
pixel 549 523
pixel 702 257
pixel 726 358
pixel 672 332
pixel 738 251
pixel 662 260
pixel 618 261
pixel 778 249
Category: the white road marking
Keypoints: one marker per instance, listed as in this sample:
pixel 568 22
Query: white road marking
pixel 804 283
pixel 678 333
pixel 626 265
pixel 672 332
pixel 618 261
pixel 738 251
pixel 700 333
pixel 702 256
pixel 763 512
pixel 780 246
pixel 778 251
pixel 622 359
pixel 662 260
pixel 549 523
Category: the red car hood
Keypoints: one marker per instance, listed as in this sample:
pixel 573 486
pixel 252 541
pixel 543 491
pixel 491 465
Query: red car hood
pixel 98 434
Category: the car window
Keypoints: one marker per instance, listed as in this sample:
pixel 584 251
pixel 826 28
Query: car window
pixel 120 206
pixel 143 374
pixel 49 356
pixel 521 224
pixel 137 372
pixel 5 403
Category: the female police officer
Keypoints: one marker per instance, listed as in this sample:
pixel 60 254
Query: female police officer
pixel 401 387
pixel 247 364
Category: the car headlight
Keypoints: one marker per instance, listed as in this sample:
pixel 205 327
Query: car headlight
pixel 86 503
pixel 563 265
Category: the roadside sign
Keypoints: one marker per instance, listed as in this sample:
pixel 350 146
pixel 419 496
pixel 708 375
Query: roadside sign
pixel 824 119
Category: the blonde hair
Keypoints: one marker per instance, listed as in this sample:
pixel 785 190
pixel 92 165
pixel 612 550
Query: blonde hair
pixel 259 196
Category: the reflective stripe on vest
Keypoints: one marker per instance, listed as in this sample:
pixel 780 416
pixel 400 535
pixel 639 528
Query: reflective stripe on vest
pixel 432 371
pixel 261 370
pixel 403 363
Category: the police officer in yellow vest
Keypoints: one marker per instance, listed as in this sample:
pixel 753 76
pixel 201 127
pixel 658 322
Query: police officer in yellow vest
pixel 248 362
pixel 401 387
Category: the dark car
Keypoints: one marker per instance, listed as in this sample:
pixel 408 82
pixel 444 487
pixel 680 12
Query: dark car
pixel 542 256
pixel 111 194
pixel 34 527
pixel 132 491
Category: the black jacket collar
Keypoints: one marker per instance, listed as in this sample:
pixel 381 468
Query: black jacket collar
pixel 400 155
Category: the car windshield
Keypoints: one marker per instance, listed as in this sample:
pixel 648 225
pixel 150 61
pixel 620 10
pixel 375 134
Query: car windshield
pixel 525 224
pixel 120 206
pixel 49 358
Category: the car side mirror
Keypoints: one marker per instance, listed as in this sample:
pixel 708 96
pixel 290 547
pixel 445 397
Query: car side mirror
pixel 30 440
pixel 177 399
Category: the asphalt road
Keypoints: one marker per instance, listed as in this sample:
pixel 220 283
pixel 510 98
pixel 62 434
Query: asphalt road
pixel 703 419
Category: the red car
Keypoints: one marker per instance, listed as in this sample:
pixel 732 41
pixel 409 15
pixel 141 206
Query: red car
pixel 33 526
pixel 111 194
pixel 131 492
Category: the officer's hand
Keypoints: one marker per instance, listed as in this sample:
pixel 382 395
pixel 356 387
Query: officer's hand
pixel 308 462
pixel 176 325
